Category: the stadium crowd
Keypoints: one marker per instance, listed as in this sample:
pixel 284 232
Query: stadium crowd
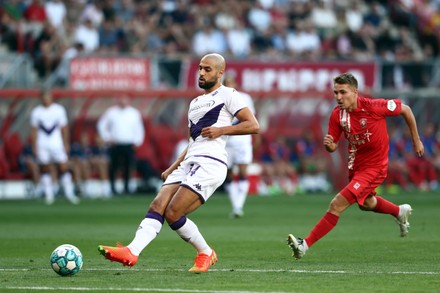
pixel 55 30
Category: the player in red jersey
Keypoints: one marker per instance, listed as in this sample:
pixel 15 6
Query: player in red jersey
pixel 363 123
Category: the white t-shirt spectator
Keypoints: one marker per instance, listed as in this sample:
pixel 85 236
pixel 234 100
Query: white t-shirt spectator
pixel 56 12
pixel 122 125
pixel 87 35
pixel 209 40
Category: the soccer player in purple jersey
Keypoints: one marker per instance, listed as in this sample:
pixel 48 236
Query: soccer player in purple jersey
pixel 197 172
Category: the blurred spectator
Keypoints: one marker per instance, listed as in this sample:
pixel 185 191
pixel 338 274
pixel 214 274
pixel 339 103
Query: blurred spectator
pixel 93 12
pixel 110 36
pixel 430 142
pixel 397 176
pixel 323 17
pixel 47 51
pixel 99 162
pixel 124 10
pixel 29 167
pixel 375 15
pixel 87 34
pixel 259 18
pixel 303 40
pixel 362 44
pixel 208 39
pixel 56 13
pixel 121 127
pixel 80 155
pixel 395 31
pixel 278 174
pixel 354 16
pixel 312 165
pixel 421 169
pixel 62 75
pixel 35 15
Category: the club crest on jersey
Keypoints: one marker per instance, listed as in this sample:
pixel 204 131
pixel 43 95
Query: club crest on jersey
pixel 363 122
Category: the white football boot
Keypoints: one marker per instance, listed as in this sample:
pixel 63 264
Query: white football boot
pixel 402 219
pixel 298 246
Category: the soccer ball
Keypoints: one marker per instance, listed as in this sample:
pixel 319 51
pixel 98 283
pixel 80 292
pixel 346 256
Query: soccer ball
pixel 66 260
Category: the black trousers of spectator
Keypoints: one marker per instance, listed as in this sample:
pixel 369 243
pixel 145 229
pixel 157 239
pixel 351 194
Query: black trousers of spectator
pixel 121 157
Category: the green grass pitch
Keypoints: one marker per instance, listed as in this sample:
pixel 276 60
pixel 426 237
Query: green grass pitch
pixel 364 253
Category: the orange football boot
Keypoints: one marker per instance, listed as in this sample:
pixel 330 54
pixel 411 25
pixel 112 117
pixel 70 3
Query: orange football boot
pixel 203 262
pixel 119 253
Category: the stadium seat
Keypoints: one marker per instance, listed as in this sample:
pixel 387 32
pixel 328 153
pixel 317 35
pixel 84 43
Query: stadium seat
pixel 12 149
pixel 4 166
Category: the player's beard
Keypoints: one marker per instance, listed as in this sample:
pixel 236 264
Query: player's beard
pixel 207 84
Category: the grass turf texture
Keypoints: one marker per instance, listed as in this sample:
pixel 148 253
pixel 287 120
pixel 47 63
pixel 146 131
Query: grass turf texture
pixel 364 253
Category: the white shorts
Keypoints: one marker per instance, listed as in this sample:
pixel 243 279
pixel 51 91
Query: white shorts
pixel 239 154
pixel 201 174
pixel 49 154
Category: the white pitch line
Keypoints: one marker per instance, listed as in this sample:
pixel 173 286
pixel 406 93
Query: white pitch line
pixel 36 288
pixel 244 270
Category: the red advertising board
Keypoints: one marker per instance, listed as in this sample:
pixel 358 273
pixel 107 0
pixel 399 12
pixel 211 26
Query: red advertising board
pixel 112 73
pixel 290 77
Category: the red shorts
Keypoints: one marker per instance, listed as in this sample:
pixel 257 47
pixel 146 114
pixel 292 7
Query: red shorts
pixel 363 183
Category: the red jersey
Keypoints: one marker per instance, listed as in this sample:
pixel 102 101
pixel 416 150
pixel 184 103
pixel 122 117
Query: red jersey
pixel 365 129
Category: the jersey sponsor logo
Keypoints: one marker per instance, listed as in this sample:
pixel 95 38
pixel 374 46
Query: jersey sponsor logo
pixel 357 185
pixel 391 105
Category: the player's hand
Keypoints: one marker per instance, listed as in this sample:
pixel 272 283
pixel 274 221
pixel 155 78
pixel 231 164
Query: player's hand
pixel 419 149
pixel 211 132
pixel 329 143
pixel 165 175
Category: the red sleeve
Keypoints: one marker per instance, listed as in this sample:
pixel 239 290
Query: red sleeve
pixel 386 107
pixel 334 128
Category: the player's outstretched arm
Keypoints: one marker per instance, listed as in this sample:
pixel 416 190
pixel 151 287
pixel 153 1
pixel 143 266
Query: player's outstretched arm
pixel 412 125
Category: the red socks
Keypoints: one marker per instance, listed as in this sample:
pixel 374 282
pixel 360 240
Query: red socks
pixel 325 225
pixel 386 207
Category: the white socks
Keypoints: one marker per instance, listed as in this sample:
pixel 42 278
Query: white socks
pixel 150 227
pixel 148 230
pixel 191 234
pixel 237 192
pixel 46 183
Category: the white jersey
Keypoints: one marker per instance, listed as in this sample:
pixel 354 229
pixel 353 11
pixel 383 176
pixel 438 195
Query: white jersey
pixel 214 109
pixel 236 140
pixel 49 121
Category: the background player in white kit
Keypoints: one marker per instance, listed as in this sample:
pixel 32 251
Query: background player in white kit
pixel 50 144
pixel 240 154
pixel 199 170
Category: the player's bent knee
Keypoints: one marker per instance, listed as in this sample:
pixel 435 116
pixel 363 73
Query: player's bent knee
pixel 172 215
